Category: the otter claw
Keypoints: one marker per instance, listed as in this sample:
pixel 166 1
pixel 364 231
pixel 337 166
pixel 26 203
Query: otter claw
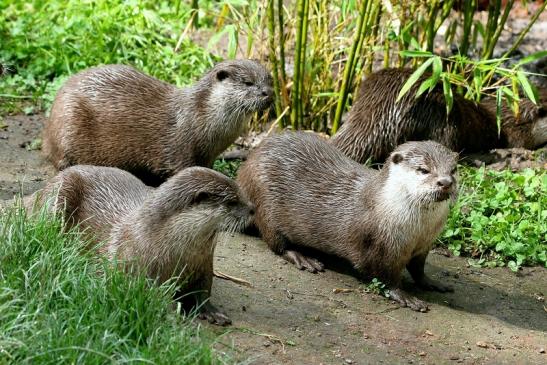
pixel 214 316
pixel 407 300
pixel 303 262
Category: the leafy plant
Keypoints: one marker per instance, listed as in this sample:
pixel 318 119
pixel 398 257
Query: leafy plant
pixel 500 218
pixel 228 168
pixel 43 41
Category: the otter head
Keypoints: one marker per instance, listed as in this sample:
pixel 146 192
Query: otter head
pixel 527 129
pixel 199 200
pixel 241 86
pixel 423 172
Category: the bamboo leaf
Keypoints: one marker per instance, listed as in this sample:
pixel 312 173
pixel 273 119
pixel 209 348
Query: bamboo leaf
pixel 448 96
pixel 427 84
pixel 499 93
pixel 528 89
pixel 413 78
pixel 416 54
pixel 437 69
pixel 532 57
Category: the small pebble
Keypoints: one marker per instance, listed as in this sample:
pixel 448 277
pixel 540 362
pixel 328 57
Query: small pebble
pixel 422 353
pixel 454 357
pixel 349 361
pixel 541 350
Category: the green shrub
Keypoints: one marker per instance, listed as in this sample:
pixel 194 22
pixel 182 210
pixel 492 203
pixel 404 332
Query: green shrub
pixel 500 218
pixel 43 41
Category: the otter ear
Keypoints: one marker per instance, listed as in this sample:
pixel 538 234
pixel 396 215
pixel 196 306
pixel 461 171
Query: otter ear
pixel 200 197
pixel 222 75
pixel 396 158
pixel 456 156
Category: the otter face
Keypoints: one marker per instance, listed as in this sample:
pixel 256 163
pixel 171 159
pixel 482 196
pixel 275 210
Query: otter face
pixel 246 85
pixel 425 171
pixel 203 196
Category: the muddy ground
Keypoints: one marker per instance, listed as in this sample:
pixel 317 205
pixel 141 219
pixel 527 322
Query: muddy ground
pixel 294 317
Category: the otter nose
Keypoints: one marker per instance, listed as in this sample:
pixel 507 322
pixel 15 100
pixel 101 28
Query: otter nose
pixel 267 91
pixel 444 182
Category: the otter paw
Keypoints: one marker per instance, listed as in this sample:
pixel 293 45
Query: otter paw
pixel 215 317
pixel 406 300
pixel 303 262
pixel 432 285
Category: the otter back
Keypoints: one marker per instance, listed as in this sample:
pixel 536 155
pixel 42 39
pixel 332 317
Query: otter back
pixel 377 123
pixel 117 116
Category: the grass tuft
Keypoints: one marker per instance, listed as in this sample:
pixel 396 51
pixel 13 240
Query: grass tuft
pixel 59 305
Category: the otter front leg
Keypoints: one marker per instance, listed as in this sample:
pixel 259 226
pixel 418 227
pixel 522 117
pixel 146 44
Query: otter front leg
pixel 406 300
pixel 391 276
pixel 212 314
pixel 201 299
pixel 416 269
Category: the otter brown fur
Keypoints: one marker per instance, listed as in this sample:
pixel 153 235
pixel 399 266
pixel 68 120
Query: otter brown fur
pixel 168 233
pixel 117 116
pixel 377 122
pixel 308 194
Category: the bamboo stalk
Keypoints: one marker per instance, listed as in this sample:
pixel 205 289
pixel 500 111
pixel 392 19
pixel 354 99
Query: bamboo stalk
pixel 468 11
pixel 499 28
pixel 343 93
pixel 273 60
pixel 303 48
pixel 295 92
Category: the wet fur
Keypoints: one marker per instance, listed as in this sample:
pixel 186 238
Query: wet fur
pixel 168 232
pixel 117 116
pixel 377 123
pixel 309 194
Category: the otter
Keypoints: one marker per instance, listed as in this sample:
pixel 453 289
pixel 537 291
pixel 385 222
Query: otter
pixel 117 116
pixel 168 232
pixel 308 194
pixel 377 122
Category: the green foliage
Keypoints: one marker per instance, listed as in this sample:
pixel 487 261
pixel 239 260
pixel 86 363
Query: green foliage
pixel 43 41
pixel 58 305
pixel 377 287
pixel 500 218
pixel 228 168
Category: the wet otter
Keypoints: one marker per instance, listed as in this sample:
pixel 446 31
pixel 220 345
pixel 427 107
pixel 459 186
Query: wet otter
pixel 117 116
pixel 168 232
pixel 377 123
pixel 309 194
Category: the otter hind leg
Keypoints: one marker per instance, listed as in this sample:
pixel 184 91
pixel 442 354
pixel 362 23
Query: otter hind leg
pixel 303 262
pixel 416 269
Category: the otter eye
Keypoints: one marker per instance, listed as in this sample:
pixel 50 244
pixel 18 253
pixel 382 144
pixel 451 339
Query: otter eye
pixel 231 204
pixel 423 170
pixel 454 170
pixel 248 83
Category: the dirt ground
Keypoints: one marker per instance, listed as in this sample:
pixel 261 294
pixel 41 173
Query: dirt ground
pixel 294 317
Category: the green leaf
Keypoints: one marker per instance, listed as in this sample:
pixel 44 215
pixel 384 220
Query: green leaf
pixel 532 57
pixel 448 96
pixel 427 84
pixel 437 69
pixel 416 54
pixel 413 78
pixel 529 90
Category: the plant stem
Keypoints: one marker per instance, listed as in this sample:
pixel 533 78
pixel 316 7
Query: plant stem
pixel 348 69
pixel 273 60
